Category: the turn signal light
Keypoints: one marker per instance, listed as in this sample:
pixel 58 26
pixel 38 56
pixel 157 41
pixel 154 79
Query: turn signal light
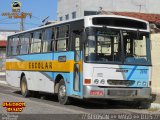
pixel 87 81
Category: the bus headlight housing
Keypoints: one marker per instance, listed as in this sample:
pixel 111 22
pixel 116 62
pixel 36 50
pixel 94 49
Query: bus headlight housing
pixel 139 83
pixel 144 83
pixel 96 81
pixel 102 81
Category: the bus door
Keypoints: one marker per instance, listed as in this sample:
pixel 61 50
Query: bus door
pixel 77 74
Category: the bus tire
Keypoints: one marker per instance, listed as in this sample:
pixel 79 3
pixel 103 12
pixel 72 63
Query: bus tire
pixel 24 87
pixel 62 93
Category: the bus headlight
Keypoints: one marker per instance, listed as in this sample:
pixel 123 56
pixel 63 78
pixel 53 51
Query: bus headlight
pixel 96 81
pixel 139 83
pixel 144 83
pixel 102 81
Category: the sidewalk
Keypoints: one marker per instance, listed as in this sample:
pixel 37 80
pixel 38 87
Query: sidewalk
pixel 157 98
pixel 3 78
pixel 2 73
pixel 156 104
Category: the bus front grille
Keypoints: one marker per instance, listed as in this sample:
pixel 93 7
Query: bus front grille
pixel 121 82
pixel 122 92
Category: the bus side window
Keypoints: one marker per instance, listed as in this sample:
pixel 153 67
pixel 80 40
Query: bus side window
pixel 9 50
pixel 24 44
pixel 15 46
pixel 53 42
pixel 77 43
pixel 31 43
pixel 36 42
pixel 47 40
pixel 62 38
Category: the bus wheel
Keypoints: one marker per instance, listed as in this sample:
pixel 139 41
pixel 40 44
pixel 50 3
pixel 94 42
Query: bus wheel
pixel 62 93
pixel 24 88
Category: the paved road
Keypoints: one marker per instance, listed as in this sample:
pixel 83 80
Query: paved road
pixel 47 104
pixel 2 77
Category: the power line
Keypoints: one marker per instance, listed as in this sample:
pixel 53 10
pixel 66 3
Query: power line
pixel 31 23
pixel 36 17
pixel 4 19
pixel 10 23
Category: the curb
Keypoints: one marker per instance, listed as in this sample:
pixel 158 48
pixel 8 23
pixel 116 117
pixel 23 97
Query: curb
pixel 2 73
pixel 155 106
pixel 3 82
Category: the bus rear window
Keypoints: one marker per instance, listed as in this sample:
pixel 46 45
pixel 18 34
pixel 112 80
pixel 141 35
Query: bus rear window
pixel 119 22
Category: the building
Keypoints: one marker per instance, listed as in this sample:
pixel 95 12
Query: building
pixel 70 9
pixel 155 40
pixel 3 43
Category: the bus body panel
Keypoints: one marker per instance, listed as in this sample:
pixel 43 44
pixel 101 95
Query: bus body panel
pixel 40 79
pixel 116 93
pixel 120 75
pixel 117 72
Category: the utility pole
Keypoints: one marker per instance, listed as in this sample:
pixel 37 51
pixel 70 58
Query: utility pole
pixel 17 14
pixel 22 24
pixel 140 7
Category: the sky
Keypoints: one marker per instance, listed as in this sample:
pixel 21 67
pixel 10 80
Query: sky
pixel 40 9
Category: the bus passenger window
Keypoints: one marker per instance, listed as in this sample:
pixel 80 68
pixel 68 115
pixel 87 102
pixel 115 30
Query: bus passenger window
pixel 9 43
pixel 77 43
pixel 61 45
pixel 47 40
pixel 62 38
pixel 24 44
pixel 15 46
pixel 36 42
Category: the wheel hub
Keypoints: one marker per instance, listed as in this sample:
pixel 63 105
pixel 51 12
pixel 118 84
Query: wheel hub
pixel 62 91
pixel 23 87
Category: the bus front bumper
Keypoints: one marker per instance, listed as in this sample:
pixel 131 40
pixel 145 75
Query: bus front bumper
pixel 116 93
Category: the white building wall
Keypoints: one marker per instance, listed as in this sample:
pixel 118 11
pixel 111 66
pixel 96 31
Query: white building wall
pixel 3 37
pixel 155 40
pixel 67 7
pixel 143 6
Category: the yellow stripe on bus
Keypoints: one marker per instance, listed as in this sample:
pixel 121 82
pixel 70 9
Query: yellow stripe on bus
pixel 54 66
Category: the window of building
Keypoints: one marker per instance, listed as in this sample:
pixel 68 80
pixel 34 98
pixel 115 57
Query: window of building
pixel 61 18
pixel 24 48
pixel 62 38
pixel 67 17
pixel 36 42
pixel 87 13
pixel 73 15
pixel 47 40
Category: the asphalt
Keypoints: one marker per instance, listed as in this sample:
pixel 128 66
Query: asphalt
pixel 2 78
pixel 46 107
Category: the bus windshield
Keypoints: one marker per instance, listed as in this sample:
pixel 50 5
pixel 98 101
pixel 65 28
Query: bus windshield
pixel 106 45
pixel 136 47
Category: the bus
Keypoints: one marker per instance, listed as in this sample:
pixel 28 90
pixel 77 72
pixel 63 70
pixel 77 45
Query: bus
pixel 95 57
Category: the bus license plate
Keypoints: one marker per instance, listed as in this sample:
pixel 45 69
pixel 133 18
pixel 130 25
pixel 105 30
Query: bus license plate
pixel 96 93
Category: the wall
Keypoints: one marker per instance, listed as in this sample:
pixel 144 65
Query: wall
pixel 144 6
pixel 67 7
pixel 2 58
pixel 3 37
pixel 155 40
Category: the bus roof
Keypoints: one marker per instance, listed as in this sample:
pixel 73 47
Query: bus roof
pixel 77 19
